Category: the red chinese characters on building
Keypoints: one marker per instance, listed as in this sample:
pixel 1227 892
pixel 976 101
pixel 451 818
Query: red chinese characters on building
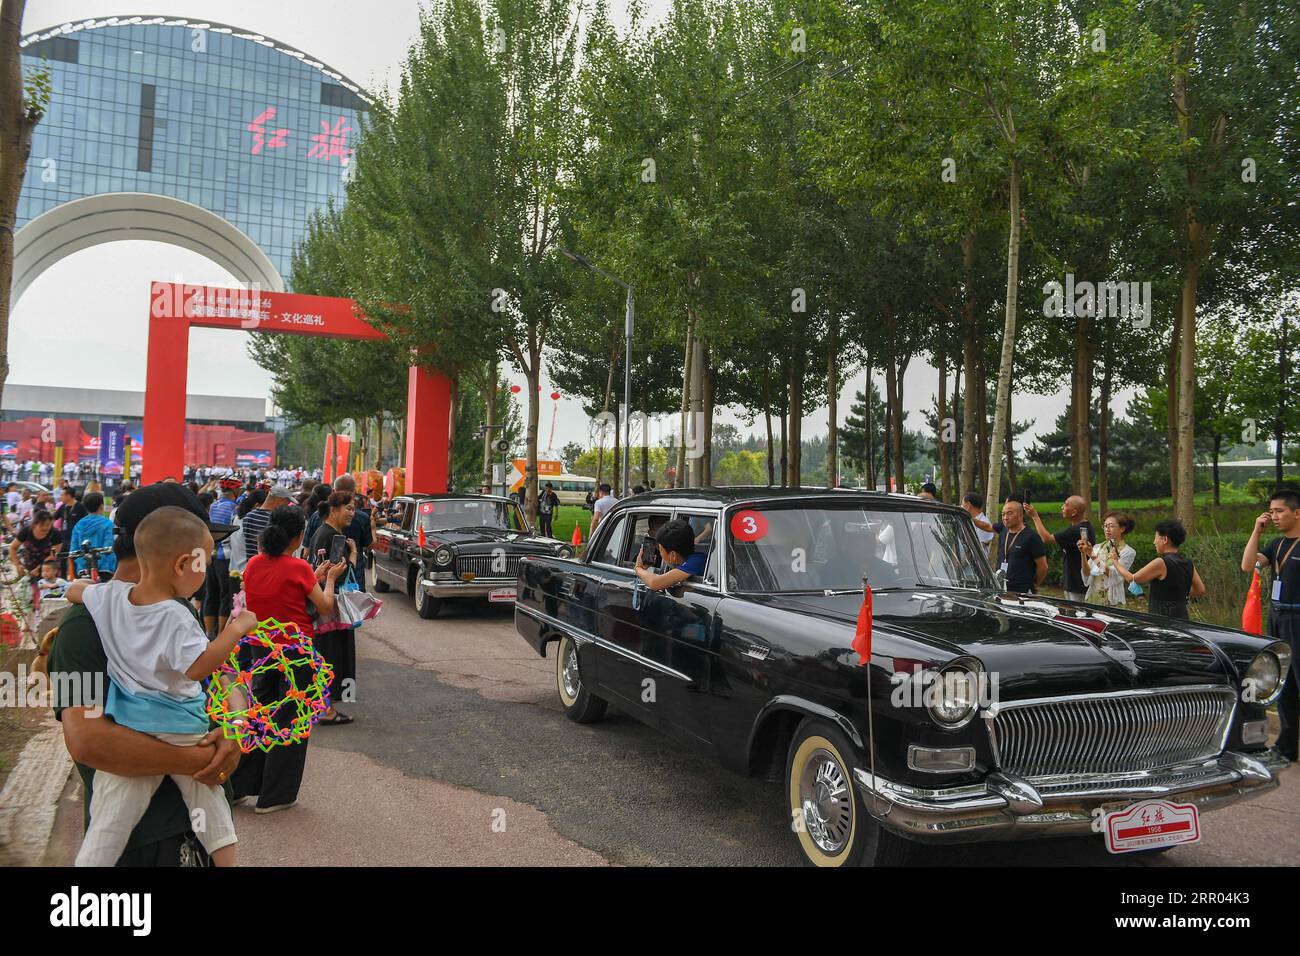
pixel 329 143
pixel 259 131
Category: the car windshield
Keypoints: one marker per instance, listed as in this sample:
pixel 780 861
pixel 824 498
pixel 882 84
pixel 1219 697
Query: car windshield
pixel 831 548
pixel 446 514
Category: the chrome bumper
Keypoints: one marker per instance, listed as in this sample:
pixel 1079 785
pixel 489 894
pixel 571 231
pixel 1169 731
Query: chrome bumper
pixel 479 587
pixel 1004 807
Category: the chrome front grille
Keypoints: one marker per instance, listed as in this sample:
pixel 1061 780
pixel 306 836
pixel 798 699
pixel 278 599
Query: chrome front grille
pixel 1110 733
pixel 481 566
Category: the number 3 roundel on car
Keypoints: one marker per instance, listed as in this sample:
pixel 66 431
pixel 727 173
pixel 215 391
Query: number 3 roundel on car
pixel 748 525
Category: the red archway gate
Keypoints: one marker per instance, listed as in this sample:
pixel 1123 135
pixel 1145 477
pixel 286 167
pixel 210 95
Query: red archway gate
pixel 175 308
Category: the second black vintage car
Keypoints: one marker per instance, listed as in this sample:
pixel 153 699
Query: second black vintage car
pixel 994 716
pixel 437 547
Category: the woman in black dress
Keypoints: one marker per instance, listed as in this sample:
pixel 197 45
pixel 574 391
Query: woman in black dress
pixel 1172 576
pixel 339 647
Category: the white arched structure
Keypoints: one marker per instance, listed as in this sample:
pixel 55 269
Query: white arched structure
pixel 113 217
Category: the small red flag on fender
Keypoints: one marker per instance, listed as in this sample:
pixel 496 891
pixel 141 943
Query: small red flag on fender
pixel 1252 615
pixel 577 535
pixel 862 636
pixel 419 536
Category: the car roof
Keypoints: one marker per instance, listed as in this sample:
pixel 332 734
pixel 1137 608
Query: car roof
pixel 452 496
pixel 734 494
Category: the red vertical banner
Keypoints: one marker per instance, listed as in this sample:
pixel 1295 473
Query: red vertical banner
pixel 343 445
pixel 327 468
pixel 428 426
pixel 166 370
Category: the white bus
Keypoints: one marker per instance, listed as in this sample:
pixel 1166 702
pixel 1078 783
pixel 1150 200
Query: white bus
pixel 571 489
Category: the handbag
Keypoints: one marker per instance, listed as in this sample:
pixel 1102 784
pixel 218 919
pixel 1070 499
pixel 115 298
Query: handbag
pixel 1135 589
pixel 356 607
pixel 352 607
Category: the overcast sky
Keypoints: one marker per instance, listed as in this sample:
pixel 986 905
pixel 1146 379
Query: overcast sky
pixel 83 321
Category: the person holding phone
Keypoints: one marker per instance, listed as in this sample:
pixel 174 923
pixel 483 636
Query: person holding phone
pixel 1074 511
pixel 1283 557
pixel 332 545
pixel 277 584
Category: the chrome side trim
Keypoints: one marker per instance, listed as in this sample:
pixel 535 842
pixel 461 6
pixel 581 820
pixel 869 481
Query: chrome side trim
pixel 582 636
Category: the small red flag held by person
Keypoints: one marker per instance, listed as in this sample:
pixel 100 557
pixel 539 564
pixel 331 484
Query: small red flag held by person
pixel 862 636
pixel 577 534
pixel 1252 615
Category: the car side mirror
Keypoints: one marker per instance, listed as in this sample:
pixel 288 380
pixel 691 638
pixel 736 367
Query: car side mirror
pixel 1001 577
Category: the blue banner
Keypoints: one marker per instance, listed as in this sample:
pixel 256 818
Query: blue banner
pixel 112 447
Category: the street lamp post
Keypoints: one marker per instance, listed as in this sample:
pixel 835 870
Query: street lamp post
pixel 628 328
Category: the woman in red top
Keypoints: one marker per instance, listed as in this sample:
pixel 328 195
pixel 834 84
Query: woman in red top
pixel 278 585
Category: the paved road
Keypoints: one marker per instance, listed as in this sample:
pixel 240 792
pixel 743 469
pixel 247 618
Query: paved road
pixel 458 729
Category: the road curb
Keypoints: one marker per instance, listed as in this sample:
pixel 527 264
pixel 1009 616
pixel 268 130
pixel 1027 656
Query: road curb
pixel 30 798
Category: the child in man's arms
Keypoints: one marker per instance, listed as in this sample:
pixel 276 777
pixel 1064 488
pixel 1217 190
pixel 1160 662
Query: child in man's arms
pixel 157 652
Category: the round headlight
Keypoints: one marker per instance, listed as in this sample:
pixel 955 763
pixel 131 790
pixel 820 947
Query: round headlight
pixel 566 551
pixel 442 557
pixel 1266 674
pixel 953 697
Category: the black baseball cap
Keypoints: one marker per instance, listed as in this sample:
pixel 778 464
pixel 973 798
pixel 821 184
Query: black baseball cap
pixel 140 503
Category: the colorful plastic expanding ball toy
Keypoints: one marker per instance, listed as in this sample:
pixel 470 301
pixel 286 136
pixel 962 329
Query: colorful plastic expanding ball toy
pixel 274 647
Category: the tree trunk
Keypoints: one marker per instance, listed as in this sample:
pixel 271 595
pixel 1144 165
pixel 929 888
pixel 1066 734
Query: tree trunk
pixel 695 461
pixel 490 419
pixel 706 424
pixel 1081 406
pixel 869 428
pixel 17 120
pixel 1171 405
pixel 1008 340
pixel 970 344
pixel 891 448
pixel 795 454
pixel 941 446
pixel 616 465
pixel 680 480
pixel 1218 440
pixel 832 397
pixel 604 416
pixel 981 416
pixel 451 431
pixel 785 443
pixel 900 465
pixel 1103 435
pixel 1011 448
pixel 533 374
pixel 1279 432
pixel 1183 502
pixel 767 418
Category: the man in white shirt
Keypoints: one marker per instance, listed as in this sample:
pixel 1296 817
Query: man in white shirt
pixel 973 504
pixel 604 501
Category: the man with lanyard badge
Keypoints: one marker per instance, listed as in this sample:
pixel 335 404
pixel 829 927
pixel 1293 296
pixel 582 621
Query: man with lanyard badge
pixel 1022 556
pixel 1282 555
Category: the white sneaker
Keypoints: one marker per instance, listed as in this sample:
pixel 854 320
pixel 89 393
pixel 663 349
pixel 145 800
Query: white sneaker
pixel 282 806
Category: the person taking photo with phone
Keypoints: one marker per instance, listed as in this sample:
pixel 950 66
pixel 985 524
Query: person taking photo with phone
pixel 331 545
pixel 1283 557
pixel 1075 511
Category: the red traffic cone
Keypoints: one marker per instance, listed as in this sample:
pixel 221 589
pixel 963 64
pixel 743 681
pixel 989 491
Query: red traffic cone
pixel 1252 615
pixel 576 540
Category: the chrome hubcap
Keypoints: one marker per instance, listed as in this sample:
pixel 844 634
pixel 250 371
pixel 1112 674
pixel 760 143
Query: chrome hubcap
pixel 826 802
pixel 569 673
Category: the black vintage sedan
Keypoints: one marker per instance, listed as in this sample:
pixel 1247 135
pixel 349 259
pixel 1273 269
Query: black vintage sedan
pixel 994 716
pixel 436 547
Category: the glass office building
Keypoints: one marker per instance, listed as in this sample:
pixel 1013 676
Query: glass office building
pixel 246 127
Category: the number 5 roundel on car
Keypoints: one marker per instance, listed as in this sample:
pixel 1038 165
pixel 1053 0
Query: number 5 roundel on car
pixel 748 526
